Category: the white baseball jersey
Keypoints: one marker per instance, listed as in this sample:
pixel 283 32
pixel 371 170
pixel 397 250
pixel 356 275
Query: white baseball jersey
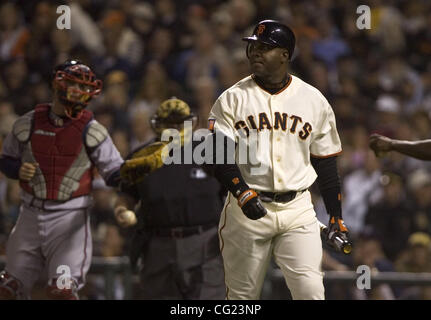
pixel 292 125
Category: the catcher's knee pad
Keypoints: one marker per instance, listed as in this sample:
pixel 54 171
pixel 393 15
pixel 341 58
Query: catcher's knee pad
pixel 66 290
pixel 10 287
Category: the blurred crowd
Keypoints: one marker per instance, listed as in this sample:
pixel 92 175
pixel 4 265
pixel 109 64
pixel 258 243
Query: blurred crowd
pixel 377 80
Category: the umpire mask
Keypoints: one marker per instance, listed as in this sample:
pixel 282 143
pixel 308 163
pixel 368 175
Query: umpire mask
pixel 170 115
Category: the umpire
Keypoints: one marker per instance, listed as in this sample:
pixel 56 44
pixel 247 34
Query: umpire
pixel 178 213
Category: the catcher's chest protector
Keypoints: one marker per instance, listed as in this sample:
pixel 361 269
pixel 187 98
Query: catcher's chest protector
pixel 64 167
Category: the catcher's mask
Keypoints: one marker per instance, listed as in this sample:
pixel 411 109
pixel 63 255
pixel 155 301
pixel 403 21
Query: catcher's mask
pixel 171 114
pixel 76 84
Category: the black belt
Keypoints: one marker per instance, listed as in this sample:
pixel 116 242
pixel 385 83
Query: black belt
pixel 38 204
pixel 179 232
pixel 283 197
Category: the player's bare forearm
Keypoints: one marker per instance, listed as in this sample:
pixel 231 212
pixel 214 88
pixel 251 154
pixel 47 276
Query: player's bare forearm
pixel 416 149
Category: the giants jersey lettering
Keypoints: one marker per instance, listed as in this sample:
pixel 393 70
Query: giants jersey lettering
pixel 291 126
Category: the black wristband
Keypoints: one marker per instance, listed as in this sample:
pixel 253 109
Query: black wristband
pixel 223 164
pixel 332 199
pixel 230 176
pixel 10 167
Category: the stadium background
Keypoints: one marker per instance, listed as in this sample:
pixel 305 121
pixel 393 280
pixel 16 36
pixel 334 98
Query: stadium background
pixel 377 80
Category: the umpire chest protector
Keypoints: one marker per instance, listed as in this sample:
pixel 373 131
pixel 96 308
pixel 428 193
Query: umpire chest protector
pixel 179 195
pixel 64 167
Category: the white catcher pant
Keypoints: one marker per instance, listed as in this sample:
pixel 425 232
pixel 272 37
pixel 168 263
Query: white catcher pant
pixel 44 240
pixel 289 232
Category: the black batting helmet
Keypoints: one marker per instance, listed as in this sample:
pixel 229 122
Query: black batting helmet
pixel 275 34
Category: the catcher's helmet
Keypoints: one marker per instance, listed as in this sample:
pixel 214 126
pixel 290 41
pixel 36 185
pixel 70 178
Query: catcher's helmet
pixel 76 84
pixel 275 34
pixel 170 114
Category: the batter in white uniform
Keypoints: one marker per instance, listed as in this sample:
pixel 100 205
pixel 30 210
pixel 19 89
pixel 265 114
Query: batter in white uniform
pixel 271 213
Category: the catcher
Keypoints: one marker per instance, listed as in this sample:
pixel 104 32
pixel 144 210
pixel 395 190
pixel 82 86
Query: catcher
pixel 52 150
pixel 176 229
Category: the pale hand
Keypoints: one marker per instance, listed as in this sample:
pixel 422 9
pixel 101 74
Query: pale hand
pixel 27 171
pixel 125 218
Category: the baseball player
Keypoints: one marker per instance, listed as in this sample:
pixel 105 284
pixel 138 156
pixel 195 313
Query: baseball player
pixel 52 150
pixel 271 213
pixel 417 149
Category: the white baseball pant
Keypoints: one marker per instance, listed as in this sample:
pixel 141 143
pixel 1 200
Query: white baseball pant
pixel 289 232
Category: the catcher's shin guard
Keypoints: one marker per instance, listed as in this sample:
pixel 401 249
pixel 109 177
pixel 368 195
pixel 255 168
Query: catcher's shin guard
pixel 10 287
pixel 64 292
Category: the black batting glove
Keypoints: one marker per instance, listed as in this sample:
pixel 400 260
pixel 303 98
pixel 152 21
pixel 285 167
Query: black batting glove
pixel 337 235
pixel 250 205
pixel 336 224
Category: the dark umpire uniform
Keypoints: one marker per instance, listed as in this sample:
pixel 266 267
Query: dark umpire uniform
pixel 176 235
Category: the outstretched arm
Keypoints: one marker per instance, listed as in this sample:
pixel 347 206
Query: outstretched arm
pixel 417 149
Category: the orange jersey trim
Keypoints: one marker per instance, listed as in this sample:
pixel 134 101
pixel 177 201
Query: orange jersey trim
pixel 327 156
pixel 222 241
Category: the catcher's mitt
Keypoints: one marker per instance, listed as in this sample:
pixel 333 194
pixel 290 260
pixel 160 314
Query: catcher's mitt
pixel 143 162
